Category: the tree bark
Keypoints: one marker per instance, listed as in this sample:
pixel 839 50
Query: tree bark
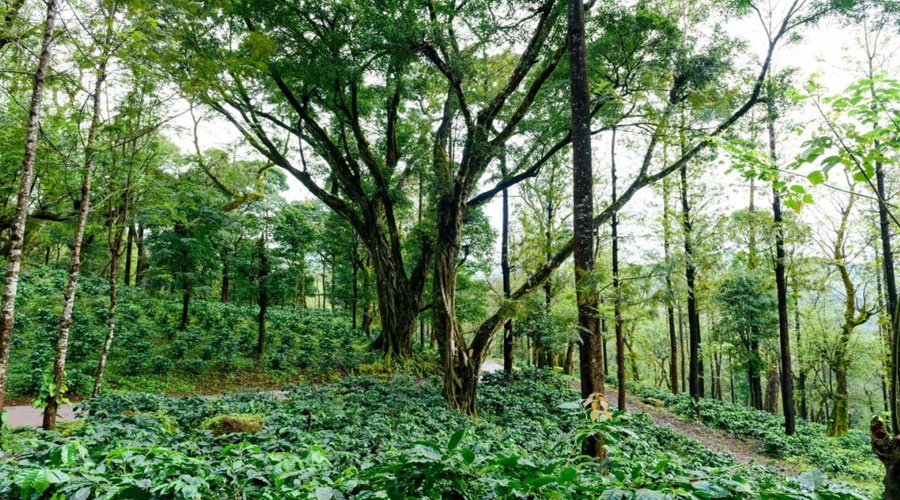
pixel 754 365
pixel 17 228
pixel 128 245
pixel 263 297
pixel 787 380
pixel 226 277
pixel 694 374
pixel 670 293
pixel 185 308
pixel 142 262
pixel 887 448
pixel 508 340
pixel 84 209
pixel 592 379
pixel 617 292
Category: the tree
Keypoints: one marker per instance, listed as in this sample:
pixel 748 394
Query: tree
pixel 17 229
pixel 787 380
pixel 855 313
pixel 747 305
pixel 590 354
pixel 84 209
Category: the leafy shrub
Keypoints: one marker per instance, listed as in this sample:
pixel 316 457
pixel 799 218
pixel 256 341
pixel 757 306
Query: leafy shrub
pixel 849 456
pixel 364 437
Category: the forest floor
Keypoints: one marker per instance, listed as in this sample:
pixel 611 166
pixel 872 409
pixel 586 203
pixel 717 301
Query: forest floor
pixel 743 450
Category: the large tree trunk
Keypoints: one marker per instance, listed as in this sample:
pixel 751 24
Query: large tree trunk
pixel 887 448
pixel 787 380
pixel 17 228
pixel 461 369
pixel 839 423
pixel 508 340
pixel 592 379
pixel 84 209
pixel 617 292
pixel 354 297
pixel 398 294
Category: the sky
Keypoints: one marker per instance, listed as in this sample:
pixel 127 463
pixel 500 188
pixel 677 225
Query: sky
pixel 827 50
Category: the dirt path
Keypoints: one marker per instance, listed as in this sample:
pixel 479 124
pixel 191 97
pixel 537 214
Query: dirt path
pixel 744 451
pixel 29 416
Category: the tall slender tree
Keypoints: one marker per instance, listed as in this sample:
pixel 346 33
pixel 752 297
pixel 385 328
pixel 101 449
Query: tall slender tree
pixel 84 209
pixel 26 177
pixel 787 378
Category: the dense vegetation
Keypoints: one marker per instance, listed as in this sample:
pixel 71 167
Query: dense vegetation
pixel 215 353
pixel 374 438
pixel 377 203
pixel 847 457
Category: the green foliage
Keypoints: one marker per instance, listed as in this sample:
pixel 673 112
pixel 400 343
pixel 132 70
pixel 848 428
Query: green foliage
pixel 847 457
pixel 151 353
pixel 369 438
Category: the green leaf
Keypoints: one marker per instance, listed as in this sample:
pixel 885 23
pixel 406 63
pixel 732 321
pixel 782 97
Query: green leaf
pixel 568 475
pixel 455 439
pixel 816 177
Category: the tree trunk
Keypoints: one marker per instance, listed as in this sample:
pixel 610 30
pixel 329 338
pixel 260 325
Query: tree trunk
pixel 592 379
pixel 670 293
pixel 185 307
pixel 887 449
pixel 508 340
pixel 226 277
pixel 142 263
pixel 617 298
pixel 398 294
pixel 129 243
pixel 17 228
pixel 112 315
pixel 354 298
pixel 84 209
pixel 754 378
pixel 684 386
pixel 839 423
pixel 787 380
pixel 263 298
pixel 694 375
pixel 770 403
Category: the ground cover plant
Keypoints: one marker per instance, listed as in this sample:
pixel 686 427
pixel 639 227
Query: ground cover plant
pixel 214 353
pixel 371 438
pixel 848 457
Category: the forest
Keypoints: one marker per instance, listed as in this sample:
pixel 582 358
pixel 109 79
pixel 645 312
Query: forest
pixel 461 249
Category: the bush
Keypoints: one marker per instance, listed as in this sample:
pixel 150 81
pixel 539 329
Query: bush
pixel 365 438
